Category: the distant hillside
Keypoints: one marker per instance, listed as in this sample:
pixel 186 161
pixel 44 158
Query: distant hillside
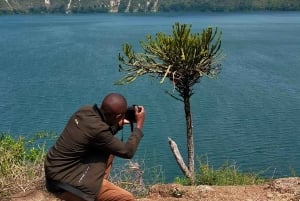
pixel 115 6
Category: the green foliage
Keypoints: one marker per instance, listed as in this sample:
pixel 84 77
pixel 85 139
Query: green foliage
pixel 21 162
pixel 183 57
pixel 229 5
pixel 227 174
pixel 182 180
pixel 12 152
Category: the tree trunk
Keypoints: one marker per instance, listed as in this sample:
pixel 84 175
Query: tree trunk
pixel 190 138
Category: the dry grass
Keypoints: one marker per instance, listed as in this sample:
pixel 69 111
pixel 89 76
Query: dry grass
pixel 22 179
pixel 21 167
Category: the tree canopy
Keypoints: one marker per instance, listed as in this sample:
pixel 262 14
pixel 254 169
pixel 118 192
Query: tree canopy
pixel 183 57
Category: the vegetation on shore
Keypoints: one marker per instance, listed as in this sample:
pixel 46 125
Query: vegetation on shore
pixel 21 169
pixel 142 6
pixel 21 165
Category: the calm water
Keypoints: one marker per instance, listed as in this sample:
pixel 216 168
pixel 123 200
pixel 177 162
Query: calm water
pixel 52 65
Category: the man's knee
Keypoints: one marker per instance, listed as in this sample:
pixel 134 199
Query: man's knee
pixel 116 196
pixel 127 196
pixel 111 192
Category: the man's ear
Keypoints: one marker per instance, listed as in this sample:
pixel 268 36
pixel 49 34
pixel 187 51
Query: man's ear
pixel 119 116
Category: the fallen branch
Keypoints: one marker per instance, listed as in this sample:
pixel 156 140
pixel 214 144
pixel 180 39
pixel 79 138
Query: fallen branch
pixel 179 159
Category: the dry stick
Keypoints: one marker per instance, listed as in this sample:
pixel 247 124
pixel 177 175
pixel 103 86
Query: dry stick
pixel 179 158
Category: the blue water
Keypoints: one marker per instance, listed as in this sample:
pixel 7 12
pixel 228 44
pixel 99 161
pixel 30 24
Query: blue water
pixel 53 64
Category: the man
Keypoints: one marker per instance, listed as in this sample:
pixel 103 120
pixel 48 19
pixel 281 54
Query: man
pixel 78 164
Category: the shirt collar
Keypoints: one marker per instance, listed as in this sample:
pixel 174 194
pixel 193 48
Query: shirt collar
pixel 98 111
pixel 114 128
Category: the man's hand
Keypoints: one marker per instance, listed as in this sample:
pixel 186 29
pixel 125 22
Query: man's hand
pixel 139 116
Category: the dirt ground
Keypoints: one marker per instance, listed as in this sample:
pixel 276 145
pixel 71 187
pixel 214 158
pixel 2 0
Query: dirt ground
pixel 284 189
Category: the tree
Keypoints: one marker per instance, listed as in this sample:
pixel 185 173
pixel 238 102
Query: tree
pixel 184 58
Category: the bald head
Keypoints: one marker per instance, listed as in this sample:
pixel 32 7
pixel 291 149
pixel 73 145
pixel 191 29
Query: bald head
pixel 114 104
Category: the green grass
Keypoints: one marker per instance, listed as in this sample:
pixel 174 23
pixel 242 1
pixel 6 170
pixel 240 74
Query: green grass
pixel 21 163
pixel 227 174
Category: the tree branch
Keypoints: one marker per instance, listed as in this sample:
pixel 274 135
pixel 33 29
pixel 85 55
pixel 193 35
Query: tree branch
pixel 179 159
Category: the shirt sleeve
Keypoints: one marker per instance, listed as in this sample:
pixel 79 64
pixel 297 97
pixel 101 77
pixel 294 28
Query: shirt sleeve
pixel 111 144
pixel 101 137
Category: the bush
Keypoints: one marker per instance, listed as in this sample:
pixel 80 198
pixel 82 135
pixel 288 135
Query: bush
pixel 21 164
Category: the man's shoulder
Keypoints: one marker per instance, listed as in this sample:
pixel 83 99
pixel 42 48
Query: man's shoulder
pixel 89 115
pixel 86 111
pixel 86 107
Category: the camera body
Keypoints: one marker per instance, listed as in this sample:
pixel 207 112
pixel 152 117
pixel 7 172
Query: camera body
pixel 130 113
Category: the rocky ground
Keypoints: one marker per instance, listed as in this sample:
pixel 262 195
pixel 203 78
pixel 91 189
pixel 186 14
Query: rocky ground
pixel 284 189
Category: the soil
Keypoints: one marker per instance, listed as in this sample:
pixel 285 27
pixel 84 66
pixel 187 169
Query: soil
pixel 284 189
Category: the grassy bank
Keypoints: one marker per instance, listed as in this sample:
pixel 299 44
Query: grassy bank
pixel 21 165
pixel 21 169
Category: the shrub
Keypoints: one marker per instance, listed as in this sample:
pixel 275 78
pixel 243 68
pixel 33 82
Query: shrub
pixel 227 174
pixel 21 164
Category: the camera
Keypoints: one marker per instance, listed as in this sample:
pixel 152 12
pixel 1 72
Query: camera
pixel 130 113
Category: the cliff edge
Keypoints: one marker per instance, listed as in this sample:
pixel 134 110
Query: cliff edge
pixel 283 189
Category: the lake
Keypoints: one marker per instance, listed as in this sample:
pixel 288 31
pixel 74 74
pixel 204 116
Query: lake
pixel 249 114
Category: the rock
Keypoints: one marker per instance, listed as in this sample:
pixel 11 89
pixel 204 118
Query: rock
pixel 287 185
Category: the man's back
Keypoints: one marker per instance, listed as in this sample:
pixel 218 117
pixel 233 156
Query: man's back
pixel 75 157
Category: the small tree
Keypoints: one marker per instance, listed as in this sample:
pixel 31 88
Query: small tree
pixel 183 58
